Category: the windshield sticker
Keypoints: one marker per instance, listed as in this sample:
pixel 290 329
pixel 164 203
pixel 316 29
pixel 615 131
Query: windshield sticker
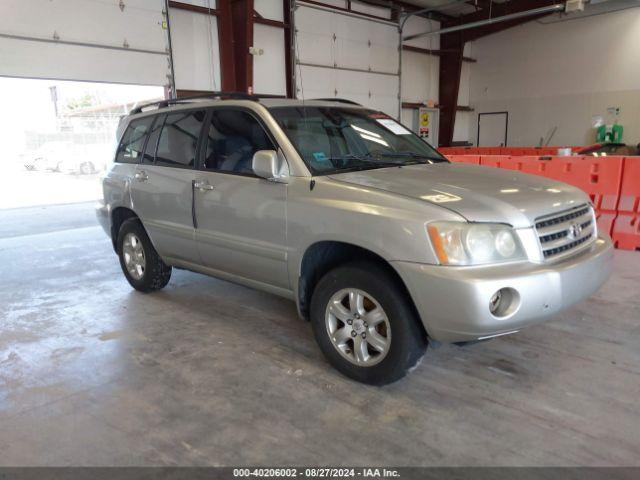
pixel 320 156
pixel 442 197
pixel 394 126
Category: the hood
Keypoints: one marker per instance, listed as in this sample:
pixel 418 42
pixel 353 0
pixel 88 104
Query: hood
pixel 480 194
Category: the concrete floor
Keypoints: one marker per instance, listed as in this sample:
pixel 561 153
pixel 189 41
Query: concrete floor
pixel 210 373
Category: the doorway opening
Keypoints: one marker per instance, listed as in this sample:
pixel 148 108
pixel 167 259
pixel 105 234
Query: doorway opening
pixel 59 137
pixel 493 129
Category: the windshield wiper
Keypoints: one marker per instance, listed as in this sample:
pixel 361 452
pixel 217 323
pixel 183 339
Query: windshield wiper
pixel 367 158
pixel 410 155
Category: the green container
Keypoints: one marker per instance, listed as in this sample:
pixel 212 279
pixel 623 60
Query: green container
pixel 609 133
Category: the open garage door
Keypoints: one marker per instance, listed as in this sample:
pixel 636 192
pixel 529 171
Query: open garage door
pixel 117 42
pixel 355 58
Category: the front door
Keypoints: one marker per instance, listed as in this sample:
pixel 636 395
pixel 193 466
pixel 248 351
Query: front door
pixel 240 217
pixel 162 190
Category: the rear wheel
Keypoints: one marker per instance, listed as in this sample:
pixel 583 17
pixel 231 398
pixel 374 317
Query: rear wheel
pixel 140 263
pixel 365 325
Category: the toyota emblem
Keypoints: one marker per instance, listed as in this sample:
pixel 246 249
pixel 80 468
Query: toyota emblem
pixel 575 229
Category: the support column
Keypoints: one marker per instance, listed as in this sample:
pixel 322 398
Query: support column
pixel 452 46
pixel 242 25
pixel 226 44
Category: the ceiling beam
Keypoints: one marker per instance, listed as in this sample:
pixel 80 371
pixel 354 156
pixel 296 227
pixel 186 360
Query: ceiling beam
pixel 500 9
pixel 434 52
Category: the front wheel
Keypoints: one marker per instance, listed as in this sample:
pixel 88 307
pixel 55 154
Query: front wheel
pixel 365 324
pixel 141 264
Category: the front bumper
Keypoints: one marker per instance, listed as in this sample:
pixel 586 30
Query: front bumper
pixel 453 302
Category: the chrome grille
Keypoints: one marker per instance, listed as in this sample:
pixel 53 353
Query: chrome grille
pixel 565 233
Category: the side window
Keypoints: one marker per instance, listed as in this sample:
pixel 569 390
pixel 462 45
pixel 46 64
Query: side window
pixel 149 155
pixel 179 139
pixel 233 136
pixel 132 142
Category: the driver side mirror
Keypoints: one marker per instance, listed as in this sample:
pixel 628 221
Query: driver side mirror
pixel 270 165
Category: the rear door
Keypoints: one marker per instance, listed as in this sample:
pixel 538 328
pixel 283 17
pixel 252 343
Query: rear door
pixel 162 190
pixel 240 217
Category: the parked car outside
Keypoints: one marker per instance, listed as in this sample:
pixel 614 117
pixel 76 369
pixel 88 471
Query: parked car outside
pixel 48 157
pixel 87 159
pixel 382 243
pixel 69 157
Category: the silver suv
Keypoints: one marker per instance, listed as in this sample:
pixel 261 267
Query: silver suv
pixel 382 243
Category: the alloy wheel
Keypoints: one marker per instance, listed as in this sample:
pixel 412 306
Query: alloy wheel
pixel 358 327
pixel 133 254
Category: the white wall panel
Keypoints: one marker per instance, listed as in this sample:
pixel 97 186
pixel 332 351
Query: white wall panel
pixel 419 25
pixel 560 75
pixel 314 82
pixel 342 42
pixel 196 54
pixel 269 69
pixel 271 9
pixel 372 90
pixel 201 3
pixel 407 117
pixel 37 60
pixel 314 38
pixel 384 93
pixel 383 12
pixel 138 25
pixel 420 76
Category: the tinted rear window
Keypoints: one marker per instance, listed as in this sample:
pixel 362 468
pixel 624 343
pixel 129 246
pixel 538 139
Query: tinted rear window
pixel 178 141
pixel 149 156
pixel 132 142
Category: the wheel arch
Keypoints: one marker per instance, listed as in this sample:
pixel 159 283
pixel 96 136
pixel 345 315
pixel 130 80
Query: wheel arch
pixel 118 216
pixel 323 256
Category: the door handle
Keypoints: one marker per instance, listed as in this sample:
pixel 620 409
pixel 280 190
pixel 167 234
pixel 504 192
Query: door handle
pixel 203 186
pixel 141 176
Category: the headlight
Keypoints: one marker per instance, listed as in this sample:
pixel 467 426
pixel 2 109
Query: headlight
pixel 458 243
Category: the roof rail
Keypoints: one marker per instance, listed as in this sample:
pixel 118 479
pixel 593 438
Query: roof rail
pixel 220 95
pixel 339 100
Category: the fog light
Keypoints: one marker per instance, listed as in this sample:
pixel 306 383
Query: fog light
pixel 494 303
pixel 504 302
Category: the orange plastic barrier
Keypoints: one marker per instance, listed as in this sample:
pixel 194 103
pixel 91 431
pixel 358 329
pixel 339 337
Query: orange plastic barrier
pixel 612 183
pixel 473 159
pixel 512 151
pixel 499 161
pixel 599 177
pixel 626 228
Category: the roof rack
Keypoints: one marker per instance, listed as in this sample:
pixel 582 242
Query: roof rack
pixel 339 100
pixel 220 95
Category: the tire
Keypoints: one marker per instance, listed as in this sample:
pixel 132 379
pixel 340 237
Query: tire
pixel 154 274
pixel 403 339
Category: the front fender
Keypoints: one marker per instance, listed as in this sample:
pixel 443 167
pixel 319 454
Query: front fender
pixel 391 226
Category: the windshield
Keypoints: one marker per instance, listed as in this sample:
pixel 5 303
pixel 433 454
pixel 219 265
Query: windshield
pixel 331 139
